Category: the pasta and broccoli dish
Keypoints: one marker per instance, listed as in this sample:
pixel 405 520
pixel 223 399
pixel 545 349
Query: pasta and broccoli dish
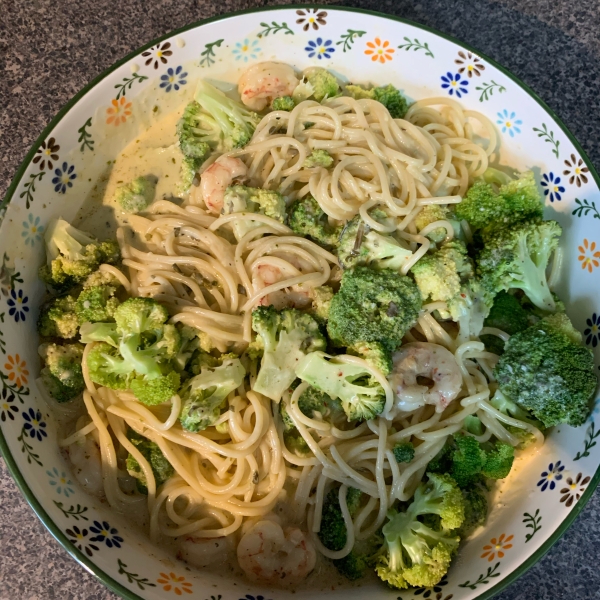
pixel 320 340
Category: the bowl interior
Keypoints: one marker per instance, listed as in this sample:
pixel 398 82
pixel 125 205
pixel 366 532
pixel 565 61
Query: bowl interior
pixel 68 168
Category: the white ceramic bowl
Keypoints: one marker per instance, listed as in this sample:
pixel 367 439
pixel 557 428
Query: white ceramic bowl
pixel 543 494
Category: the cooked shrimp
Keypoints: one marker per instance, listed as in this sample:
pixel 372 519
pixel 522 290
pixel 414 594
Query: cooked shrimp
pixel 430 361
pixel 268 554
pixel 202 552
pixel 216 179
pixel 263 82
pixel 266 274
pixel 87 465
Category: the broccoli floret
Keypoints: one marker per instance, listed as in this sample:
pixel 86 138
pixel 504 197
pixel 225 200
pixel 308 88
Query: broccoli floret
pixel 311 400
pixel 361 396
pixel 72 255
pixel 296 443
pixel 468 460
pixel 470 308
pixel 317 83
pixel 233 121
pixel 476 510
pixel 283 103
pixel 416 554
pixel 204 395
pixel 507 314
pixel 62 372
pixel 96 304
pixel 140 315
pixel 498 460
pixel 517 257
pixel 99 332
pixel 197 134
pixel 189 169
pixel 442 275
pixel 373 306
pixel 333 531
pixel 547 373
pixel 318 158
pixel 360 245
pixel 137 195
pixel 404 452
pixel 374 353
pixel 508 407
pixel 58 318
pixel 307 219
pixel 321 302
pixel 243 199
pixel 287 336
pixel 161 467
pixel 155 390
pixel 515 201
pixel 100 278
pixel 388 95
pixel 107 368
pixel 430 214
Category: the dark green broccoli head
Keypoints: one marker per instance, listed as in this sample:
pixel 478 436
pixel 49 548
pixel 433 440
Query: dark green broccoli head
pixel 161 467
pixel 476 510
pixel 517 257
pixel 155 390
pixel 333 531
pixel 388 95
pixel 373 306
pixel 499 459
pixel 404 452
pixel 547 373
pixel 485 207
pixel 376 354
pixel 307 219
pixel 506 314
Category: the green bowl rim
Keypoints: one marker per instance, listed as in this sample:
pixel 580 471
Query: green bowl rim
pixel 58 535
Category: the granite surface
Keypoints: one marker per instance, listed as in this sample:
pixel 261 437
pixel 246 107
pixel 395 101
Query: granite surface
pixel 50 49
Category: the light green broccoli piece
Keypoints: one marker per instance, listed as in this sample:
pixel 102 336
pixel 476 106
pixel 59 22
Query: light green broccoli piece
pixel 137 195
pixel 318 158
pixel 204 395
pixel 317 83
pixel 321 302
pixel 283 103
pixel 243 199
pixel 431 213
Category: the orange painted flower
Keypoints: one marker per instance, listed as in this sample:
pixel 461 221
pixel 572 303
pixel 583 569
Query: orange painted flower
pixel 172 583
pixel 16 370
pixel 497 546
pixel 118 111
pixel 589 257
pixel 379 51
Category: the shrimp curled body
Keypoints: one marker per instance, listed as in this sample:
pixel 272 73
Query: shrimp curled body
pixel 217 178
pixel 263 82
pixel 269 554
pixel 430 361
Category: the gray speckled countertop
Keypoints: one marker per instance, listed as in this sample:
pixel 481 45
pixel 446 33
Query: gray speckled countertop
pixel 50 49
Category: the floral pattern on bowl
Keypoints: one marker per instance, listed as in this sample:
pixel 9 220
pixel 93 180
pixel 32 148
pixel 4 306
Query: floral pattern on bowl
pixel 64 165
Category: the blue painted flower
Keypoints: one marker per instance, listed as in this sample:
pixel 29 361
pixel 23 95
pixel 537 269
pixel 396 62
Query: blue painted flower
pixel 17 305
pixel 551 476
pixel 61 482
pixel 105 533
pixel 32 230
pixel 509 122
pixel 34 424
pixel 592 331
pixel 246 49
pixel 552 187
pixel 455 84
pixel 64 176
pixel 320 48
pixel 173 79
